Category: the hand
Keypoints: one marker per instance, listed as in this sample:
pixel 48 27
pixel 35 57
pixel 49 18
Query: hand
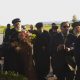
pixel 61 47
pixel 13 44
pixel 67 49
pixel 17 48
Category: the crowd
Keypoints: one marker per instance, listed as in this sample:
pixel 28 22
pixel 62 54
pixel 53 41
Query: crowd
pixel 32 57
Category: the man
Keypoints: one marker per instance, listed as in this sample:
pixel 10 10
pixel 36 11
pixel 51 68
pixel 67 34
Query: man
pixel 62 53
pixel 53 30
pixel 40 51
pixel 6 35
pixel 76 31
pixel 31 30
pixel 18 57
pixel 10 63
pixel 17 28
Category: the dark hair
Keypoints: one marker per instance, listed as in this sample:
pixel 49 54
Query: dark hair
pixel 8 25
pixel 24 27
pixel 54 26
pixel 75 24
pixel 64 24
pixel 39 25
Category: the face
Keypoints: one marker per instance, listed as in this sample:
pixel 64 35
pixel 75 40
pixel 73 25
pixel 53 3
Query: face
pixel 40 29
pixel 77 29
pixel 31 27
pixel 17 25
pixel 65 27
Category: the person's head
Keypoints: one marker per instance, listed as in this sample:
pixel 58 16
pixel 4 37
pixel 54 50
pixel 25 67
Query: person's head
pixel 76 27
pixel 8 25
pixel 74 24
pixel 65 26
pixel 31 27
pixel 54 27
pixel 39 26
pixel 16 23
pixel 23 28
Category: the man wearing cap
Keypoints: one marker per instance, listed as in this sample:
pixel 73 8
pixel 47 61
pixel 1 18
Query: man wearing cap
pixel 76 31
pixel 6 35
pixel 18 57
pixel 10 54
pixel 40 51
pixel 63 45
pixel 53 30
pixel 17 28
pixel 73 26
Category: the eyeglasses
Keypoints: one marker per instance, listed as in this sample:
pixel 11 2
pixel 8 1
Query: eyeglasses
pixel 65 26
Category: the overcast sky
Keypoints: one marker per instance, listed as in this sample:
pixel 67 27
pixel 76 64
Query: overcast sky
pixel 33 11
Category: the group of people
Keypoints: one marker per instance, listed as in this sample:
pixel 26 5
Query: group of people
pixel 32 57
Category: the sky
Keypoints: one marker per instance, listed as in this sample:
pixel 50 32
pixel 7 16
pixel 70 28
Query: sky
pixel 33 11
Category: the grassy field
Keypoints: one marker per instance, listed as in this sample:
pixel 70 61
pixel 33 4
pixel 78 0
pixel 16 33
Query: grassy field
pixel 2 29
pixel 46 27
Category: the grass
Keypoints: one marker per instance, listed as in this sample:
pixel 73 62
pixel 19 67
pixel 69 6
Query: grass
pixel 11 75
pixel 46 27
pixel 2 29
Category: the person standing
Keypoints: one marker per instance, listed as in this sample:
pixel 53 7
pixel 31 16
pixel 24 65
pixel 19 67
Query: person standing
pixel 40 52
pixel 6 35
pixel 53 30
pixel 10 63
pixel 62 49
pixel 76 31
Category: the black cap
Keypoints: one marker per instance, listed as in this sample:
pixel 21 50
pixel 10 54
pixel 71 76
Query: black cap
pixel 54 26
pixel 39 25
pixel 8 25
pixel 16 20
pixel 75 24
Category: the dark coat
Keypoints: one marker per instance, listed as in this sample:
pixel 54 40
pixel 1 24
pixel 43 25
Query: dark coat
pixel 41 52
pixel 14 35
pixel 9 52
pixel 52 36
pixel 77 50
pixel 60 57
pixel 77 57
pixel 6 35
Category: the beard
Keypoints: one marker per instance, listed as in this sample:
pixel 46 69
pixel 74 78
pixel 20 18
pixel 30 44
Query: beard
pixel 18 28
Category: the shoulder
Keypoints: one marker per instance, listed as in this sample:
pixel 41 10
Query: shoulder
pixel 13 29
pixel 58 34
pixel 45 31
pixel 71 35
pixel 50 30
